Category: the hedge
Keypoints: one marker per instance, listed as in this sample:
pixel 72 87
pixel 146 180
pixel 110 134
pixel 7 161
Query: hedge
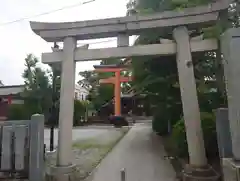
pixel 164 119
pixel 178 137
pixel 25 111
pixel 18 112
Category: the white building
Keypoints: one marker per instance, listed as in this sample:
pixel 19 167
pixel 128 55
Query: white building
pixel 13 93
pixel 81 93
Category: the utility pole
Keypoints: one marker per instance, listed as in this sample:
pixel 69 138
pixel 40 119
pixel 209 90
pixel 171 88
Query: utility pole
pixel 55 98
pixel 53 111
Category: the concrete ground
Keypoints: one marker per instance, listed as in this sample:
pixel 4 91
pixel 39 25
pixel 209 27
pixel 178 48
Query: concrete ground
pixel 88 153
pixel 141 153
pixel 77 134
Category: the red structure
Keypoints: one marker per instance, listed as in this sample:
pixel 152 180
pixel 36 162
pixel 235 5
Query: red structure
pixel 116 80
pixel 9 95
pixel 4 106
pixel 3 109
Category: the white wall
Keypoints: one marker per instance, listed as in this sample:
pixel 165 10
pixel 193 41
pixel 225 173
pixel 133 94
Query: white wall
pixel 81 93
pixel 6 90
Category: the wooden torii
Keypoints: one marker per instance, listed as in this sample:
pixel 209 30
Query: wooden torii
pixel 116 80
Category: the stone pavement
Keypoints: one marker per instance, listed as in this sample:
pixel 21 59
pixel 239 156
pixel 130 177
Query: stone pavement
pixel 141 153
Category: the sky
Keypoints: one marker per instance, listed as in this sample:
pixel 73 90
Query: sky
pixel 18 40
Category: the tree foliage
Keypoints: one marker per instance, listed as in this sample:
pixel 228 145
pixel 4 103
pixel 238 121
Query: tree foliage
pixel 42 94
pixel 158 76
pixel 37 90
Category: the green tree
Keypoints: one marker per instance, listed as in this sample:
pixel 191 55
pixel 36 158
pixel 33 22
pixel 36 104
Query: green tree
pixel 37 91
pixel 158 76
pixel 89 79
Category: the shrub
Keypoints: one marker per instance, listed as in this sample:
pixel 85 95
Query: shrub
pixel 166 115
pixel 160 124
pixel 79 112
pixel 18 112
pixel 163 120
pixel 178 136
pixel 118 121
pixel 32 106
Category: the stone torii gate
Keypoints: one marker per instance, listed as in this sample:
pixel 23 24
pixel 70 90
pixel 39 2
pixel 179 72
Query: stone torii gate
pixel 180 23
pixel 116 81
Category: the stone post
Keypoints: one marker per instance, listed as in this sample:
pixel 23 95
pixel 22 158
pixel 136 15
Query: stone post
pixel 66 103
pixel 122 40
pixel 190 105
pixel 230 49
pixel 196 149
pixel 223 133
pixel 230 43
pixel 64 170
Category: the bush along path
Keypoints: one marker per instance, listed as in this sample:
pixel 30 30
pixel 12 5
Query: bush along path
pixel 175 142
pixel 88 153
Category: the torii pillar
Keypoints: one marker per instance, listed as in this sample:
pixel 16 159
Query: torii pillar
pixel 116 80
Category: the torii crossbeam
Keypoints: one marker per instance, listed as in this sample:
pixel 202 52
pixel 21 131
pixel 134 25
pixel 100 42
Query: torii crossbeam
pixel 116 80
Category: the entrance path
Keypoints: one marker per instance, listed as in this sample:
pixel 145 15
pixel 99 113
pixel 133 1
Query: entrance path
pixel 141 153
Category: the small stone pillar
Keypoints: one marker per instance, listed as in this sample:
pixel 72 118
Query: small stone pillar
pixel 122 40
pixel 198 169
pixel 223 133
pixel 65 170
pixel 230 43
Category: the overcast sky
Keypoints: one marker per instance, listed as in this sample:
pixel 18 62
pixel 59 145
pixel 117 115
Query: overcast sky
pixel 17 39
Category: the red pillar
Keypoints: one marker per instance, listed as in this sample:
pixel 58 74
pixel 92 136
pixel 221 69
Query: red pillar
pixel 9 99
pixel 117 93
pixel 116 80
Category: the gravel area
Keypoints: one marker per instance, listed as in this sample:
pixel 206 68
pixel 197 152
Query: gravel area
pixel 88 153
pixel 79 133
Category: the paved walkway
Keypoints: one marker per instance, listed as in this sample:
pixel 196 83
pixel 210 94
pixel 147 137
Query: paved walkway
pixel 141 153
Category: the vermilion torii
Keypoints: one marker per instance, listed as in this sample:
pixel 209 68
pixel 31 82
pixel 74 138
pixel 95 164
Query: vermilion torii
pixel 116 80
